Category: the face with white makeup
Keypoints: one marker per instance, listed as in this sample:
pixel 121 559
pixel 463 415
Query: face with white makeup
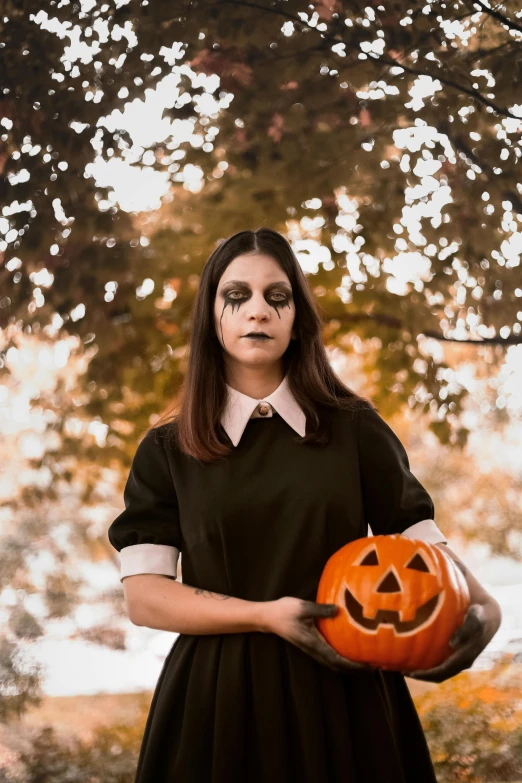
pixel 254 295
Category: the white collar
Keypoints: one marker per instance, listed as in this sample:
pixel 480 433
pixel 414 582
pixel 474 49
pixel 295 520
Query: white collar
pixel 240 407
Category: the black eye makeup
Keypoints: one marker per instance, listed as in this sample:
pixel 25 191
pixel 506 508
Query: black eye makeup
pixel 244 286
pixel 235 292
pixel 230 296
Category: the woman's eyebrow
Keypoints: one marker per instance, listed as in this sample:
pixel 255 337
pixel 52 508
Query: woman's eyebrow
pixel 268 287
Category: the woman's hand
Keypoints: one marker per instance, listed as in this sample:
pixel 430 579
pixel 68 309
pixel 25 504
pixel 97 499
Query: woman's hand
pixel 294 620
pixel 480 625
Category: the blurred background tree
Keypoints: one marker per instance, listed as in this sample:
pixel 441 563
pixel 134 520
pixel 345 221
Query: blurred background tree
pixel 309 118
pixel 381 139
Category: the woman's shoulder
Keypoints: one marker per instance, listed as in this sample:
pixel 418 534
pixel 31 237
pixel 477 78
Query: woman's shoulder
pixel 165 433
pixel 351 411
pixel 161 437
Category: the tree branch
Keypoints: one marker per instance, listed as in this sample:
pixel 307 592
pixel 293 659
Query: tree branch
pixel 396 323
pixel 445 128
pixel 513 339
pixel 498 16
pixel 449 83
pixel 380 59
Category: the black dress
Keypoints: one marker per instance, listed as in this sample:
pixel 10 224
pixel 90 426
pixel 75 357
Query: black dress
pixel 252 707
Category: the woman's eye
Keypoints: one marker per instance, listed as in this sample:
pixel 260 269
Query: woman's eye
pixel 230 295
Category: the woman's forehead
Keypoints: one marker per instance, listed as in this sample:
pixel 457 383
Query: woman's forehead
pixel 253 269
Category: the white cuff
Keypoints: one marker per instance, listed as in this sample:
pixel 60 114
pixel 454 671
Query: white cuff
pixel 427 531
pixel 148 559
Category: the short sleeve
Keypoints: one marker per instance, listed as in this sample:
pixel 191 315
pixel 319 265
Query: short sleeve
pixel 394 500
pixel 147 533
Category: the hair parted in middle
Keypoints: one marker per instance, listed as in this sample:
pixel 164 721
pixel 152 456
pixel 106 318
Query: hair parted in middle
pixel 196 411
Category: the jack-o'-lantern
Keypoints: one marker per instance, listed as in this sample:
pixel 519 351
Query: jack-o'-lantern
pixel 399 599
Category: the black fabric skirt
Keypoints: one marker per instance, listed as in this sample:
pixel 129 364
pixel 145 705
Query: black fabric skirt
pixel 253 708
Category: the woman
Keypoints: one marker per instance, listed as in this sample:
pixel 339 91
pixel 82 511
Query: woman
pixel 269 466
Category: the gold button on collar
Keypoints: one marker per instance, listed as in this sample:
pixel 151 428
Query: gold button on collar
pixel 264 409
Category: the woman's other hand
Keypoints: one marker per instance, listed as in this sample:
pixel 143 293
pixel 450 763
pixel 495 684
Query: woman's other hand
pixel 480 624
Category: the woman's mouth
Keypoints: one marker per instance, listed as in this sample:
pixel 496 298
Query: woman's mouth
pixel 258 337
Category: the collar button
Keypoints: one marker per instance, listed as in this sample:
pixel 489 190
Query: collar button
pixel 264 409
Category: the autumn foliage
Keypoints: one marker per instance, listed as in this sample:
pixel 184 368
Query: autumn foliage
pixel 473 724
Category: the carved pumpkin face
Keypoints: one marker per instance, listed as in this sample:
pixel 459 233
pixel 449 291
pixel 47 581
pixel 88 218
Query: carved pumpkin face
pixel 400 600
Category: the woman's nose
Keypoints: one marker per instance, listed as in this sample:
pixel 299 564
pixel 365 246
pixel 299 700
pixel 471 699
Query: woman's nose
pixel 258 306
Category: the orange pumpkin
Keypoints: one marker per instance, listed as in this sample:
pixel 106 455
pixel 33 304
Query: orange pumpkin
pixel 399 599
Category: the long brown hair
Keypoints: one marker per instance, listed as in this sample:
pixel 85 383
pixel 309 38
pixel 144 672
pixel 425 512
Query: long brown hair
pixel 195 415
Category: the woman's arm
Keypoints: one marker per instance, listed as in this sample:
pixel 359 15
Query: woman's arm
pixel 165 604
pixel 477 593
pixel 480 625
